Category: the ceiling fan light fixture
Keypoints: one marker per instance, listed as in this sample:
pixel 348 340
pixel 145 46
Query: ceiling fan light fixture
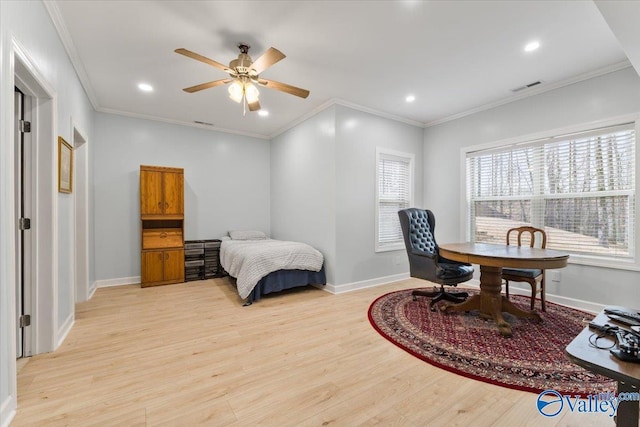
pixel 236 91
pixel 251 92
pixel 244 75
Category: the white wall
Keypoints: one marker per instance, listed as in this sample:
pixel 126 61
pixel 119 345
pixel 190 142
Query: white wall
pixel 303 186
pixel 226 185
pixel 27 24
pixel 323 189
pixel 608 96
pixel 357 136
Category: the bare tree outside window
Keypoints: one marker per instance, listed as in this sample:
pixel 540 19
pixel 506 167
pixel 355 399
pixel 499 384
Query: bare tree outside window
pixel 579 188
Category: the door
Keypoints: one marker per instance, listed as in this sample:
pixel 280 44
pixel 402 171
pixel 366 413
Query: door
pixel 173 193
pixel 151 200
pixel 23 208
pixel 174 264
pixel 152 266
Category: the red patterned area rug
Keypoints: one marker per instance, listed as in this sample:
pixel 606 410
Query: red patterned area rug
pixel 533 359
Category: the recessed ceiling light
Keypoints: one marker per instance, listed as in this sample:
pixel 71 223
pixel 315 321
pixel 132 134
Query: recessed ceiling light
pixel 145 87
pixel 263 113
pixel 530 47
pixel 410 98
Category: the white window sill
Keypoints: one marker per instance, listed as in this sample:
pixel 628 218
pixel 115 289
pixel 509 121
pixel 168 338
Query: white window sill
pixel 595 261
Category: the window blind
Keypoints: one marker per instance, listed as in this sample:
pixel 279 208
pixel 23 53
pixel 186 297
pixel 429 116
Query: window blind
pixel 579 188
pixel 394 194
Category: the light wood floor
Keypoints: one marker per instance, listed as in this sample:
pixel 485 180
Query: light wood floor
pixel 190 354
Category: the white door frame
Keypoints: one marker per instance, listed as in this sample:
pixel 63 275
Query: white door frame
pixel 44 254
pixel 81 214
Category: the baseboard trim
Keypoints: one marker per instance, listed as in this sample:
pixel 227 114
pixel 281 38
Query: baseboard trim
pixel 92 291
pixel 7 411
pixel 65 329
pixel 588 306
pixel 121 281
pixel 578 304
pixel 363 284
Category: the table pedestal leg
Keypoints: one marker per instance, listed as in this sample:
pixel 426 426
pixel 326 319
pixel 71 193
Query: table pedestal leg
pixel 490 302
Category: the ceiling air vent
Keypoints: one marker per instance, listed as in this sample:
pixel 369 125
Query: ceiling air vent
pixel 518 89
pixel 202 123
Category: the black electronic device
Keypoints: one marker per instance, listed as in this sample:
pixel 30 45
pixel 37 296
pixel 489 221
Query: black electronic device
pixel 628 341
pixel 624 320
pixel 624 312
pixel 605 329
pixel 628 346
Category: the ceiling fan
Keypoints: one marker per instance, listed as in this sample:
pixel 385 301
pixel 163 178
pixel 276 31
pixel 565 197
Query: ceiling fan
pixel 244 73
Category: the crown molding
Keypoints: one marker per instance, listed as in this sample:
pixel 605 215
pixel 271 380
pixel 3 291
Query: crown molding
pixel 181 123
pixel 534 91
pixel 70 48
pixel 364 109
pixel 302 118
pixel 337 101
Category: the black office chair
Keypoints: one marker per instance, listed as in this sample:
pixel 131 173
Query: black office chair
pixel 425 262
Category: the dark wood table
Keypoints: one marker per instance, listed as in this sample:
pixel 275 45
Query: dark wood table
pixel 492 258
pixel 600 361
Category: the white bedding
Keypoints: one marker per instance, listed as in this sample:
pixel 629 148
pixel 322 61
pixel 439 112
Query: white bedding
pixel 250 260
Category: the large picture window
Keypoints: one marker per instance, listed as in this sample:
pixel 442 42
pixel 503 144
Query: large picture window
pixel 579 188
pixel 394 191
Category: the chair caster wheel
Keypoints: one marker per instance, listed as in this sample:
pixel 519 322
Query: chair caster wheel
pixel 433 308
pixel 415 298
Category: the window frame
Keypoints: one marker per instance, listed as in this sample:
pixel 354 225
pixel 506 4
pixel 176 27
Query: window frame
pixel 382 152
pixel 632 264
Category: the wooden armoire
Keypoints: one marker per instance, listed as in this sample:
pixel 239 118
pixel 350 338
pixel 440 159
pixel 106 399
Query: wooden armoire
pixel 162 217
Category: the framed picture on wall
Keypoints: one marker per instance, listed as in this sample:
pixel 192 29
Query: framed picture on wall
pixel 65 166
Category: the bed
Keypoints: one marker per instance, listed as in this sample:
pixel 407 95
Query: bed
pixel 260 265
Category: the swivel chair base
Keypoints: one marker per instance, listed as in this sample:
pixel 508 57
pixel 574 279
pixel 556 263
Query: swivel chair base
pixel 439 295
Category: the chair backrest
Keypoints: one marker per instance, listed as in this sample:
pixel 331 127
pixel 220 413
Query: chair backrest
pixel 537 237
pixel 418 226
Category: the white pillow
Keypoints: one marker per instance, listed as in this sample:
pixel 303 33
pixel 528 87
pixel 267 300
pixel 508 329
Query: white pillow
pixel 247 235
pixel 223 238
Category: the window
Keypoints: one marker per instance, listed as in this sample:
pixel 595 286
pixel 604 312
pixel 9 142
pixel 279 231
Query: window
pixel 580 188
pixel 394 191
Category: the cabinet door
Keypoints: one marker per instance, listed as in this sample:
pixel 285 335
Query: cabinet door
pixel 152 266
pixel 151 200
pixel 174 265
pixel 173 193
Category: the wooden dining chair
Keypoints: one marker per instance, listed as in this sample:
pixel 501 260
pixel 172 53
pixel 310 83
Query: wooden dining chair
pixel 538 239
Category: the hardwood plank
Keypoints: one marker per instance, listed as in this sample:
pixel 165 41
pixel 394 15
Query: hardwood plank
pixel 190 354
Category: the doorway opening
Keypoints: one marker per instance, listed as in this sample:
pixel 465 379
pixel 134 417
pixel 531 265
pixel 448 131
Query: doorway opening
pixel 23 206
pixel 81 213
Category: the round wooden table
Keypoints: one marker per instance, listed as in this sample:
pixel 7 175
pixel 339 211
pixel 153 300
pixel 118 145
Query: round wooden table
pixel 492 258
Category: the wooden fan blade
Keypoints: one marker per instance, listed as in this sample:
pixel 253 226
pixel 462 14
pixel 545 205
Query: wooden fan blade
pixel 207 85
pixel 271 84
pixel 254 106
pixel 197 57
pixel 267 59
